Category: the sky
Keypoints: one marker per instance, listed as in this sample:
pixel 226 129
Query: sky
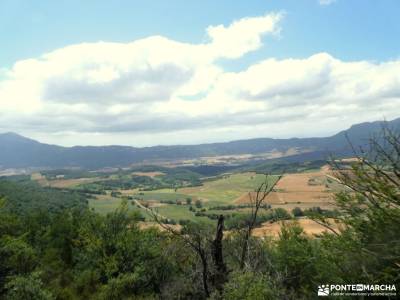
pixel 186 72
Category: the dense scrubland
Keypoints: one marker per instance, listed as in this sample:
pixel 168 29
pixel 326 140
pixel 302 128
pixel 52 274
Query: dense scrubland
pixel 62 237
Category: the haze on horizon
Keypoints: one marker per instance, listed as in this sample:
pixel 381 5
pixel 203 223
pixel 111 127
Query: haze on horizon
pixel 182 73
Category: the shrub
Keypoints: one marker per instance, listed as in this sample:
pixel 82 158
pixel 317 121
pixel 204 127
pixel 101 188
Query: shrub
pixel 297 212
pixel 250 286
pixel 198 204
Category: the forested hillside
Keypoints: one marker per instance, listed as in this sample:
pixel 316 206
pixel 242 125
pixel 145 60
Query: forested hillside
pixel 19 152
pixel 24 196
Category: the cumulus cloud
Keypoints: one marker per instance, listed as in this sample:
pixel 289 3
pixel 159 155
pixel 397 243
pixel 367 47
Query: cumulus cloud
pixel 160 91
pixel 241 36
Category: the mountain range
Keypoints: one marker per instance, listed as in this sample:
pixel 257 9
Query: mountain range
pixel 17 151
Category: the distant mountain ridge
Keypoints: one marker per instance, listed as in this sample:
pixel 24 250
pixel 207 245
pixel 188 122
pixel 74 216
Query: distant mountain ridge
pixel 17 151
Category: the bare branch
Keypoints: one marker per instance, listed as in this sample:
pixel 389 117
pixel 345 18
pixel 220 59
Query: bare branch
pixel 263 190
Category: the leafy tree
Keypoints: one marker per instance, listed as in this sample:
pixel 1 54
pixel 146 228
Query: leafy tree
pixel 371 207
pixel 198 203
pixel 27 287
pixel 297 212
pixel 17 255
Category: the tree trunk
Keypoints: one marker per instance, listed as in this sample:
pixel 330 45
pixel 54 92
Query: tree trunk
pixel 205 273
pixel 220 275
pixel 244 248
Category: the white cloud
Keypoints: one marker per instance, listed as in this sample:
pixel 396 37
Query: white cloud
pixel 326 2
pixel 241 36
pixel 160 91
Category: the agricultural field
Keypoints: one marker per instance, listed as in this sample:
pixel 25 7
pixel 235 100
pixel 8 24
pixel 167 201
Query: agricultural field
pixel 162 196
pixel 62 180
pixel 70 183
pixel 303 189
pixel 180 212
pixel 104 204
pixel 309 226
pixel 149 174
pixel 227 189
pixel 173 203
pixel 165 191
pixel 296 190
pixel 40 179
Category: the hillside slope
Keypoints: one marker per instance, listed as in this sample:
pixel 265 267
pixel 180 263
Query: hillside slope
pixel 19 152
